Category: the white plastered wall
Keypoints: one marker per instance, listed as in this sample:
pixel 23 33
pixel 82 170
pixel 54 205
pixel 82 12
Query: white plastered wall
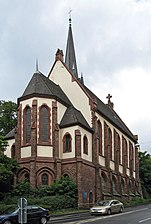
pixel 77 96
pixel 61 111
pixel 43 151
pixel 71 131
pixel 8 148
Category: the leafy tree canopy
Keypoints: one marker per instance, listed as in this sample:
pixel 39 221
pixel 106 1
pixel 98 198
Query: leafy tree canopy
pixel 8 116
pixel 145 171
pixel 3 144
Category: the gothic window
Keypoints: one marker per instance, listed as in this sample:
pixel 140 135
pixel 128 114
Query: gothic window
pixel 99 131
pixel 90 197
pixel 130 152
pixel 44 124
pixel 13 151
pixel 104 182
pixel 85 145
pixel 109 137
pixel 114 184
pixel 119 149
pixel 44 179
pixel 125 157
pixel 26 177
pixel 123 185
pixel 67 143
pixel 27 125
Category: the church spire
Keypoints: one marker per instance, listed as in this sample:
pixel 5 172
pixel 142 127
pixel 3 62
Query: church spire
pixel 70 58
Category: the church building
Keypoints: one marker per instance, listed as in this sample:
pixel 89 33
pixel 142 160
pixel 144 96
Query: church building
pixel 64 129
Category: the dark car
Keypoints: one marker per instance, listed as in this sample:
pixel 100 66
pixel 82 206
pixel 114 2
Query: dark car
pixel 35 214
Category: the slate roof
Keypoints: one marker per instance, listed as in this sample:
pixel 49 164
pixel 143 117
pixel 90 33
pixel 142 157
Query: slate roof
pixel 10 134
pixel 41 85
pixel 72 117
pixel 110 115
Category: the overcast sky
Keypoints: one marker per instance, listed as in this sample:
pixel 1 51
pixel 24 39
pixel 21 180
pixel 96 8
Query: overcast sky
pixel 113 50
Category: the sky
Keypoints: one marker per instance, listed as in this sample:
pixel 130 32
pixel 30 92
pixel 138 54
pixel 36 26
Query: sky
pixel 113 50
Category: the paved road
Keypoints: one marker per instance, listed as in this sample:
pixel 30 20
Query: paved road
pixel 135 215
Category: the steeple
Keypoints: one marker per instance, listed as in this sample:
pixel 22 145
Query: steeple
pixel 70 58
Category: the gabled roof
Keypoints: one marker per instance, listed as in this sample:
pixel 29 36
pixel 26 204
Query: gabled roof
pixel 72 117
pixel 70 58
pixel 110 115
pixel 41 85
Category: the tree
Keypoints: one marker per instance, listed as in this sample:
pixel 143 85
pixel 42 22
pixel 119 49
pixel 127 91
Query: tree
pixel 8 116
pixel 145 173
pixel 3 144
pixel 8 167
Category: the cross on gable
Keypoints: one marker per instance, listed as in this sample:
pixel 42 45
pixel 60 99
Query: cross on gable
pixel 109 97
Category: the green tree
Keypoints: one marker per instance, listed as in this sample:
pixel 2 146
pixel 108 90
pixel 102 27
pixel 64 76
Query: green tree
pixel 8 167
pixel 62 186
pixel 3 144
pixel 8 116
pixel 145 173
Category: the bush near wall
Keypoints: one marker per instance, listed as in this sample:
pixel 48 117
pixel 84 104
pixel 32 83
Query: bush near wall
pixel 62 194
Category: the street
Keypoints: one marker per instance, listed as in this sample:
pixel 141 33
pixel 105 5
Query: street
pixel 133 215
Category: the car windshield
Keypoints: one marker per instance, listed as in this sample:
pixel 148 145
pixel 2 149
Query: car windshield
pixel 10 210
pixel 103 203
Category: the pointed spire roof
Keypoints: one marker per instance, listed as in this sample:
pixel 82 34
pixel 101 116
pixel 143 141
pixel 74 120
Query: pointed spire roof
pixel 70 58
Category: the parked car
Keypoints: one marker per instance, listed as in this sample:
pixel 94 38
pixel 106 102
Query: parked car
pixel 35 214
pixel 107 207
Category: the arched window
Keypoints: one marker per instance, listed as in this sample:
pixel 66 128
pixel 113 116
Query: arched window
pixel 114 184
pixel 90 197
pixel 27 125
pixel 44 179
pixel 99 131
pixel 125 157
pixel 67 143
pixel 110 144
pixel 85 145
pixel 44 122
pixel 104 182
pixel 13 151
pixel 26 177
pixel 123 187
pixel 119 149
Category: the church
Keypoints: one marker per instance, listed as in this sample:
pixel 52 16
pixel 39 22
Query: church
pixel 64 129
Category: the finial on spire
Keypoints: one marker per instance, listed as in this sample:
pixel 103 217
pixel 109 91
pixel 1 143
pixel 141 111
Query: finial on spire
pixel 70 17
pixel 37 69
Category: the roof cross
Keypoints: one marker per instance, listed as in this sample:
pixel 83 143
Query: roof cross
pixel 109 97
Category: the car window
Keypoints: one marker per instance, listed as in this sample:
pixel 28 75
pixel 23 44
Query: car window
pixel 36 210
pixel 103 203
pixel 116 202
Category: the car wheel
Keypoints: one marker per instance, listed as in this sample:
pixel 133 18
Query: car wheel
pixel 7 222
pixel 109 212
pixel 121 209
pixel 43 220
